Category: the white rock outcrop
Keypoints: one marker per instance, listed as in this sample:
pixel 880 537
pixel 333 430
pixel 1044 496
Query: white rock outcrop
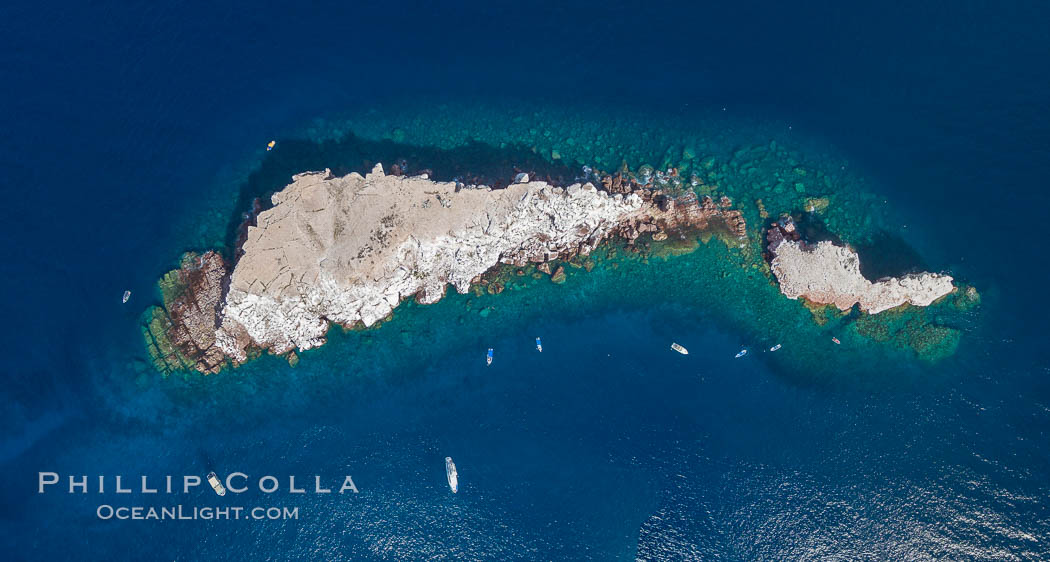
pixel 828 274
pixel 349 249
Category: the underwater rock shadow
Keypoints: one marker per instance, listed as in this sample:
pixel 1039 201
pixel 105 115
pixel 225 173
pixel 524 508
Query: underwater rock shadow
pixel 888 255
pixel 813 229
pixel 471 163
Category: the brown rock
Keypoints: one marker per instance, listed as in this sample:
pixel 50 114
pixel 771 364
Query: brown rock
pixel 559 275
pixel 762 209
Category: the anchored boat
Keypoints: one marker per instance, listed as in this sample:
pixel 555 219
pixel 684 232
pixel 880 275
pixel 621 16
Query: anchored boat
pixel 215 484
pixel 127 295
pixel 539 345
pixel 741 353
pixel 679 349
pixel 775 347
pixel 836 340
pixel 450 473
pixel 488 358
pixel 270 145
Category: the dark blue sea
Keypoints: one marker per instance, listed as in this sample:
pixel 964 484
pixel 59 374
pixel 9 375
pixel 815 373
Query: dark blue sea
pixel 122 124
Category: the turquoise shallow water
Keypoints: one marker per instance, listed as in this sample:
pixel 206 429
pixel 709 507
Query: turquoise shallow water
pixel 133 129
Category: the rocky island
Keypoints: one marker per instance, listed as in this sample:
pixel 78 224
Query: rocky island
pixel 826 273
pixel 347 250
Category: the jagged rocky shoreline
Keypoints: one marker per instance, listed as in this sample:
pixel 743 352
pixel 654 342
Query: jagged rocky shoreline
pixel 182 333
pixel 348 250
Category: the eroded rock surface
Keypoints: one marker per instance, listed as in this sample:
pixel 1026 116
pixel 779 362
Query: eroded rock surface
pixel 826 273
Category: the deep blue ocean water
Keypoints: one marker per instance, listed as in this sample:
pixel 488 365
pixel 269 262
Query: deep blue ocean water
pixel 118 119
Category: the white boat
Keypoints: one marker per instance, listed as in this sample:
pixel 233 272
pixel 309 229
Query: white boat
pixel 741 353
pixel 488 358
pixel 452 475
pixel 127 295
pixel 215 484
pixel 775 347
pixel 679 349
pixel 539 345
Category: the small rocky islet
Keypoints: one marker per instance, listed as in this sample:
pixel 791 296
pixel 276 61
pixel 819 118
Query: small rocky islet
pixel 349 249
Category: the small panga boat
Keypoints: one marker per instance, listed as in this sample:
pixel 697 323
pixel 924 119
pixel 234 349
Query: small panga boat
pixel 775 347
pixel 539 345
pixel 452 475
pixel 741 353
pixel 215 484
pixel 488 358
pixel 270 145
